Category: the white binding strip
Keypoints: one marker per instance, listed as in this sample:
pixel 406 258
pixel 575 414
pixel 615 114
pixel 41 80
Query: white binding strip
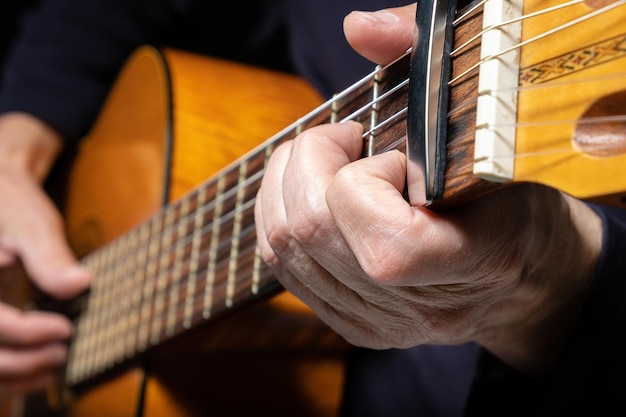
pixel 497 98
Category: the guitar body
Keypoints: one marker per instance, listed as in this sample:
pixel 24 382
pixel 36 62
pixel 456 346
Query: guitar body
pixel 165 129
pixel 168 148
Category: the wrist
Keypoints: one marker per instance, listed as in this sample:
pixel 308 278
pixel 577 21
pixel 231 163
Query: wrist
pixel 28 145
pixel 553 286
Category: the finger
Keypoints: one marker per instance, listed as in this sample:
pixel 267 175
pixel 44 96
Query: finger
pixel 350 304
pixel 390 238
pixel 294 268
pixel 24 329
pixel 383 35
pixel 33 231
pixel 6 258
pixel 275 240
pixel 317 155
pixel 49 261
pixel 269 207
pixel 19 363
pixel 27 384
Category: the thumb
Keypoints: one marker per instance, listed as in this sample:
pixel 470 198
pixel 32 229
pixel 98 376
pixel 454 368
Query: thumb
pixel 381 36
pixel 49 261
pixel 31 230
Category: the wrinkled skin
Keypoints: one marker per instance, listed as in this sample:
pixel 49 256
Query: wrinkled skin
pixel 509 270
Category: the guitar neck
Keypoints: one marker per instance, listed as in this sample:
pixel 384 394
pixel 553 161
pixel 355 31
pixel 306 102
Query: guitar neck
pixel 195 260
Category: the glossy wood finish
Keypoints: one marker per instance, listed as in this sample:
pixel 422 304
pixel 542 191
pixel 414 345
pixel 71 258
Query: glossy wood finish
pixel 220 110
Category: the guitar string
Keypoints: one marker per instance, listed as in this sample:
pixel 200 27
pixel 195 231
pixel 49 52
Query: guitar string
pixel 232 192
pixel 220 284
pixel 460 107
pixel 469 13
pixel 543 35
pixel 480 34
pixel 358 112
pixel 186 240
pixel 589 120
pixel 165 289
pixel 367 78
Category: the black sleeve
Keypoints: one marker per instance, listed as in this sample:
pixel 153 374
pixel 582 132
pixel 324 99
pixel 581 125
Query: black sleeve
pixel 69 51
pixel 590 377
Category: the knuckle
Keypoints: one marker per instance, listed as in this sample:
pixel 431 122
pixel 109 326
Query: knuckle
pixel 278 239
pixel 381 266
pixel 304 229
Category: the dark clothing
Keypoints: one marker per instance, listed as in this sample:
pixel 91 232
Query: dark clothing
pixel 72 49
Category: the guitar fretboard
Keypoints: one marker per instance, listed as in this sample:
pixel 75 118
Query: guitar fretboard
pixel 196 259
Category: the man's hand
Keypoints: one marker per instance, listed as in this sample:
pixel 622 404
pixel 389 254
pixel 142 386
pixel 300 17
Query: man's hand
pixel 509 270
pixel 32 343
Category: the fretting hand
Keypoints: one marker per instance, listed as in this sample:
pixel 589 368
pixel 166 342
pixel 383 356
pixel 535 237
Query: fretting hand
pixel 509 270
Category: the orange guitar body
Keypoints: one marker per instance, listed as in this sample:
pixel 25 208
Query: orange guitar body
pixel 171 121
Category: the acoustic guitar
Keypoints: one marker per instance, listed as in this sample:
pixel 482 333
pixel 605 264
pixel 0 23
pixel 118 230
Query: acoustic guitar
pixel 526 90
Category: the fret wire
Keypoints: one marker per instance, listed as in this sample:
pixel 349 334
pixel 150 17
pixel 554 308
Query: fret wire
pixel 250 203
pixel 177 269
pixel 80 350
pixel 334 111
pixel 215 231
pixel 258 261
pixel 127 266
pixel 232 192
pixel 244 184
pixel 152 254
pixel 373 115
pixel 114 321
pixel 98 297
pixel 234 247
pixel 121 320
pixel 239 187
pixel 219 287
pixel 163 274
pixel 108 308
pixel 248 232
pixel 100 322
pixel 151 276
pixel 221 280
pixel 195 256
pixel 93 307
pixel 75 365
pixel 138 275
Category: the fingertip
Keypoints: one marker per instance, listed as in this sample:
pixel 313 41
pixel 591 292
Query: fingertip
pixel 48 327
pixel 75 280
pixel 381 36
pixel 68 282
